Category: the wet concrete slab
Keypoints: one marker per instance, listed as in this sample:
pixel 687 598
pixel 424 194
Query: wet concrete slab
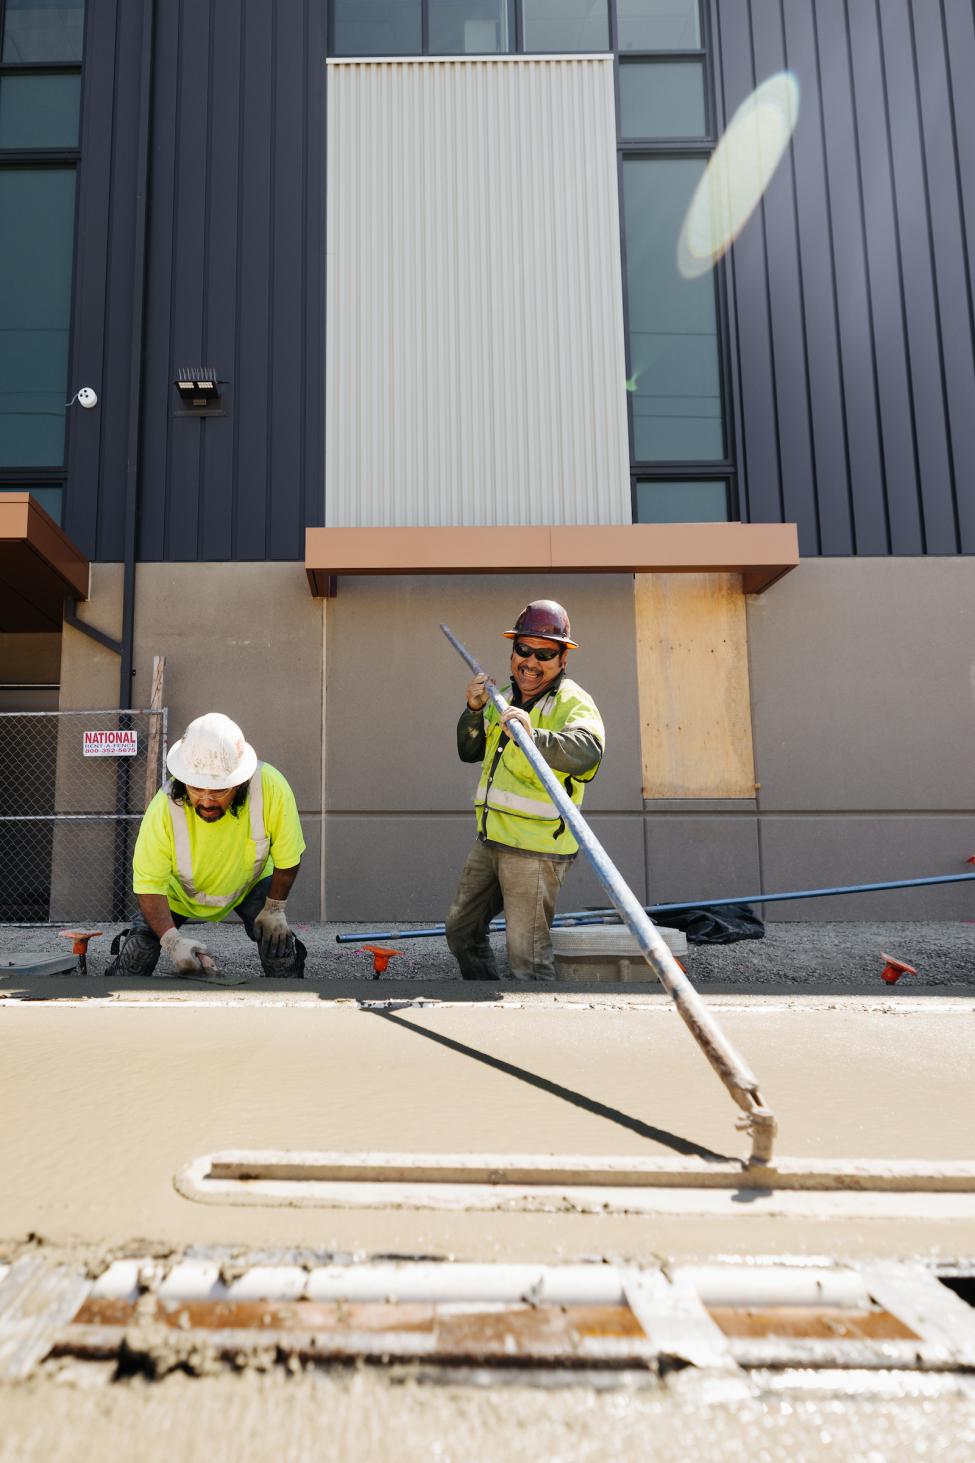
pixel 112 1098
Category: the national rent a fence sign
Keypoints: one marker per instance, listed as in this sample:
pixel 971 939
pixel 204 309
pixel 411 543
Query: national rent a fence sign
pixel 111 743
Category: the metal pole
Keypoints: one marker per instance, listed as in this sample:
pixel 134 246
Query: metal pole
pixel 759 1120
pixel 584 915
pixel 609 916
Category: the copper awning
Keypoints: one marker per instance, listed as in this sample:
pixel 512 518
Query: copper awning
pixel 39 566
pixel 760 552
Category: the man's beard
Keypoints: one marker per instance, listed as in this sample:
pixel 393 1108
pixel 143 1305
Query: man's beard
pixel 212 815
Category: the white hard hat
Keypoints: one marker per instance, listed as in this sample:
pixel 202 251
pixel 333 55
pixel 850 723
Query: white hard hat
pixel 212 753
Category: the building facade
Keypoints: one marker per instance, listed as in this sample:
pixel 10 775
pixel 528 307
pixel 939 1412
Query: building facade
pixel 383 305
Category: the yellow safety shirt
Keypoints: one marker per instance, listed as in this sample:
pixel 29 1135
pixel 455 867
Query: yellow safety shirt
pixel 223 855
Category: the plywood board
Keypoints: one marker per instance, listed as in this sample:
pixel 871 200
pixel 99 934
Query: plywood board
pixel 692 666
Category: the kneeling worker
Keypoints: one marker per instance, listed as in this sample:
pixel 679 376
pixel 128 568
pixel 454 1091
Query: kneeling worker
pixel 224 835
pixel 523 847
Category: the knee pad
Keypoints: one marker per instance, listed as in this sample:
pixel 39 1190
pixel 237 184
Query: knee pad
pixel 136 953
pixel 291 963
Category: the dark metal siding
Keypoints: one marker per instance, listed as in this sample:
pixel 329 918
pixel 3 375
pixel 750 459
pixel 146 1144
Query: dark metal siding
pixel 850 290
pixel 104 272
pixel 851 287
pixel 235 277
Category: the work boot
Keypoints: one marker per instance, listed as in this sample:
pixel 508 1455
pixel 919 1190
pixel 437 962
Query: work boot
pixel 136 952
pixel 476 962
pixel 290 964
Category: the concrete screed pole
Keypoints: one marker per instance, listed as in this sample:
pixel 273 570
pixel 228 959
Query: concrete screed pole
pixel 759 1120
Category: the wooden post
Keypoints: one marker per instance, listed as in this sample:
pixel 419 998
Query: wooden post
pixel 153 771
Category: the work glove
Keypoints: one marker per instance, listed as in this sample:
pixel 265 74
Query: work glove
pixel 477 696
pixel 185 954
pixel 515 713
pixel 272 929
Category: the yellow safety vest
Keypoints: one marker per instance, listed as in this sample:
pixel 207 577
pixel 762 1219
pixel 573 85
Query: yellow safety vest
pixel 184 858
pixel 512 805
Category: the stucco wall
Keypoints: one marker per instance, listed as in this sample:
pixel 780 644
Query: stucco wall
pixel 862 707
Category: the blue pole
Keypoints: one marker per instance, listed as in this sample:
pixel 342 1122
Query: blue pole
pixel 725 1060
pixel 606 916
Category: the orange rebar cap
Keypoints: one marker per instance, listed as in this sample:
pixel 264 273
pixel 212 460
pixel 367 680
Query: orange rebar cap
pixel 380 956
pixel 80 938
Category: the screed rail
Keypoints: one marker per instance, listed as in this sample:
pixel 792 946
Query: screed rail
pixel 759 1120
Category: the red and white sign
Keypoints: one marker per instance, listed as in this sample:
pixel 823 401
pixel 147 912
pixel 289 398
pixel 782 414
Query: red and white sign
pixel 111 743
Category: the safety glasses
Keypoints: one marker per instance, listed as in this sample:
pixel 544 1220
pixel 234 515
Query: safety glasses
pixel 525 651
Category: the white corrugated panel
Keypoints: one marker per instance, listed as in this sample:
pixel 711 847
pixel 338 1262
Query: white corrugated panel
pixel 475 363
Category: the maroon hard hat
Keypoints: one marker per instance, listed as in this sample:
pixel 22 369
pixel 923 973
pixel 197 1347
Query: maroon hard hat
pixel 544 620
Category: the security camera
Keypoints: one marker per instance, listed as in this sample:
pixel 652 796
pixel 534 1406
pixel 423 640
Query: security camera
pixel 87 398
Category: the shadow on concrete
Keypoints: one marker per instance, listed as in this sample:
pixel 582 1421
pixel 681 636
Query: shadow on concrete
pixel 73 987
pixel 566 1094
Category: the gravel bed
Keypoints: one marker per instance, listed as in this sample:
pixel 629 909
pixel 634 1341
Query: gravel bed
pixel 812 955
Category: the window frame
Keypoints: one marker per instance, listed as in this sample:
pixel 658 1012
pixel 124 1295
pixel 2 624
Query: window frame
pixel 33 159
pixel 724 469
pixel 519 38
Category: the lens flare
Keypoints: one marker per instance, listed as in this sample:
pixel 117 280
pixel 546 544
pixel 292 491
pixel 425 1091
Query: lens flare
pixel 738 173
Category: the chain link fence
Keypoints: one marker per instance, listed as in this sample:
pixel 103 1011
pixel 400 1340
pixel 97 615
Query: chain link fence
pixel 73 788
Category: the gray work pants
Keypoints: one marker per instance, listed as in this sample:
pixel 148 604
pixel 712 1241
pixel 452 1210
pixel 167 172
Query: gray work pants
pixel 526 888
pixel 137 949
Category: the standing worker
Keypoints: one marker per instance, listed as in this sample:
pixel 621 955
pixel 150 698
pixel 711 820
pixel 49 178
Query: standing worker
pixel 224 835
pixel 523 847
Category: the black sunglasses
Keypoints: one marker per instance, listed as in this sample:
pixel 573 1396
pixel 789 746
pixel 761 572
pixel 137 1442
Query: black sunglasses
pixel 528 650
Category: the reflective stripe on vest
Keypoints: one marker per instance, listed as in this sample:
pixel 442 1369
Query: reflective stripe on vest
pixel 184 860
pixel 542 807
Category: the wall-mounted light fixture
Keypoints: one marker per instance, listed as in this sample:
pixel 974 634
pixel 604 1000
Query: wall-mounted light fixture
pixel 198 388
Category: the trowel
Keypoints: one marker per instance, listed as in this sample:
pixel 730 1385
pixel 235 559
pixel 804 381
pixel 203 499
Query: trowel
pixel 211 974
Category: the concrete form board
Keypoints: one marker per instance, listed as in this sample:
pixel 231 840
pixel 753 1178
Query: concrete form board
pixel 861 686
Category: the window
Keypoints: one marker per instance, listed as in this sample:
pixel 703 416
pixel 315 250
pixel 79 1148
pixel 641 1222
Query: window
pixel 42 30
pixel 687 500
pixel 40 101
pixel 378 28
pixel 39 109
pixel 680 457
pixel 662 99
pixel 680 448
pixel 658 25
pixel 36 252
pixel 468 27
pixel 566 25
pixel 675 378
pixel 471 27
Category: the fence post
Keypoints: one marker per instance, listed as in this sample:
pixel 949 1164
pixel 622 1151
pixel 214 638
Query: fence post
pixel 154 777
